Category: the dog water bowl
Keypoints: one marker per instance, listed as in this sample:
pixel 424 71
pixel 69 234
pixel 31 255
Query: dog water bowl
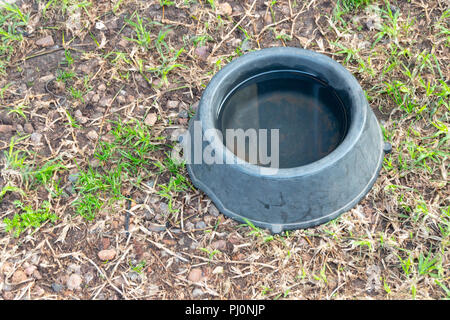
pixel 330 146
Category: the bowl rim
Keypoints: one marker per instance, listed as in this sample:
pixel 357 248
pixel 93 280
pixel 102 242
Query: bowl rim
pixel 208 112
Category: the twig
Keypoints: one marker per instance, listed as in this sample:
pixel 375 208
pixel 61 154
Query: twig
pixel 120 260
pixel 231 261
pixel 104 275
pixel 160 246
pixel 42 53
pixel 210 291
pixel 309 241
pixel 276 23
pixel 104 116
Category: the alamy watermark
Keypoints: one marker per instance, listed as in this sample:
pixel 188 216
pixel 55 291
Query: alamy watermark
pixel 256 146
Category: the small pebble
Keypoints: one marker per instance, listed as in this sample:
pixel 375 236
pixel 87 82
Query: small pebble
pixel 246 45
pixel 45 42
pixel 200 225
pixel 6 268
pixel 183 114
pixel 5 118
pixel 88 96
pixel 156 227
pixel 105 255
pixel 95 98
pixel 188 226
pixel 92 135
pixel 105 243
pixel 133 276
pixel 70 190
pixel 197 293
pixel 219 244
pixel 195 275
pixel 74 177
pixel 19 128
pixel 57 287
pixel 164 208
pixel 172 104
pixel 202 52
pixel 5 128
pixel 30 270
pixel 151 118
pixel 150 183
pixel 218 270
pixel 99 25
pixel 194 245
pixel 28 128
pixel 36 138
pixel 236 42
pixel 18 277
pixel 74 268
pixel 105 101
pixel 78 114
pixel 88 277
pixel 213 210
pixel 37 275
pixel 225 8
pixel 83 120
pixel 74 282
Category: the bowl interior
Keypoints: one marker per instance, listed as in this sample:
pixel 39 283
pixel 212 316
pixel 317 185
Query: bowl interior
pixel 310 117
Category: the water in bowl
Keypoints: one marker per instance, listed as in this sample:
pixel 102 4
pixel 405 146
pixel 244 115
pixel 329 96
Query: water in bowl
pixel 311 119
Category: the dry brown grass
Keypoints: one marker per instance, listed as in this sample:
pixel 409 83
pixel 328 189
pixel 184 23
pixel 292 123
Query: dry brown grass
pixel 357 256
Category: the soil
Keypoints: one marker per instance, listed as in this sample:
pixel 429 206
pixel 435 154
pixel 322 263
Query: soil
pixel 319 263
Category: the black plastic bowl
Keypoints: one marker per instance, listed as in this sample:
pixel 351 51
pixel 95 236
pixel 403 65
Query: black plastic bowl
pixel 330 144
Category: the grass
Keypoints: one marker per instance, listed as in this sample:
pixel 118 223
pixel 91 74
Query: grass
pixel 344 7
pixel 19 109
pixel 143 36
pixel 66 6
pixel 402 227
pixel 15 158
pixel 166 3
pixel 12 22
pixel 210 253
pixel 127 158
pixel 419 135
pixel 138 267
pixel 64 75
pixel 167 56
pixel 177 181
pixel 9 188
pixel 28 217
pixel 257 232
pixel 26 178
pixel 43 175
